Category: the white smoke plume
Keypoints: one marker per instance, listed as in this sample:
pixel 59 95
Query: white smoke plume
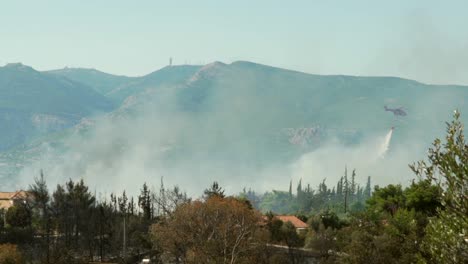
pixel 194 148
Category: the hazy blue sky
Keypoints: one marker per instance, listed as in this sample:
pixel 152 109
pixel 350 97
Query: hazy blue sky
pixel 420 39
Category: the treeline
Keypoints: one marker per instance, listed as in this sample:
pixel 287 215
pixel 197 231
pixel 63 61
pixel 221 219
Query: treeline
pixel 346 196
pixel 72 225
pixel 426 222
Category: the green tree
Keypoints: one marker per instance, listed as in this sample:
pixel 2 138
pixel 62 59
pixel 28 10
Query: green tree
pixel 447 168
pixel 423 197
pixel 292 240
pixel 353 186
pixel 274 227
pixel 60 206
pixel 290 189
pixel 19 215
pixel 41 202
pixel 368 189
pixel 388 199
pixel 144 201
pixel 346 190
pixel 73 208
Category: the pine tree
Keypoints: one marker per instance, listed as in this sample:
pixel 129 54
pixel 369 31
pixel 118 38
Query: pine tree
pixel 346 190
pixel 339 189
pixel 131 206
pixel 299 188
pixel 41 198
pixel 162 199
pixel 144 201
pixel 323 194
pixel 122 201
pixel 60 206
pixel 367 190
pixel 352 191
pixel 358 193
pixel 214 190
pixel 113 200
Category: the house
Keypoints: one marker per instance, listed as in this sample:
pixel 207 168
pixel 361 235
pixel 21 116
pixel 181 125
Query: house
pixel 8 199
pixel 296 222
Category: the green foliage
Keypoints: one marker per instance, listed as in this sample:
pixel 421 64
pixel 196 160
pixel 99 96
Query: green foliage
pixel 19 215
pixel 357 207
pixel 390 230
pixel 367 190
pixel 423 197
pixel 327 218
pixel 447 168
pixel 289 235
pixel 402 223
pixel 278 202
pixel 274 226
pixel 423 223
pixel 388 199
pixel 330 219
pixel 108 221
pixel 321 239
pixel 41 213
pixel 83 226
pixel 308 201
pixel 371 238
pixel 446 239
pixel 283 233
pixel 144 201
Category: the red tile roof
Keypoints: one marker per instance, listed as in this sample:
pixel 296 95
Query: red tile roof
pixel 297 223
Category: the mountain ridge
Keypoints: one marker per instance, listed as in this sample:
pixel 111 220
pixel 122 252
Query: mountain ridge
pixel 240 112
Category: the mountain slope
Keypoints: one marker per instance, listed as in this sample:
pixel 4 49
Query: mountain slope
pixel 278 97
pixel 257 112
pixel 33 103
pixel 240 118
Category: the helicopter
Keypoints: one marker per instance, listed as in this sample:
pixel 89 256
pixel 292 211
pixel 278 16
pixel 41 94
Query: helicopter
pixel 396 111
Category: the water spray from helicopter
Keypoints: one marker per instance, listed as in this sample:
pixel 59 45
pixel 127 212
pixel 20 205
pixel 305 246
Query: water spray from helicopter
pixel 385 144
